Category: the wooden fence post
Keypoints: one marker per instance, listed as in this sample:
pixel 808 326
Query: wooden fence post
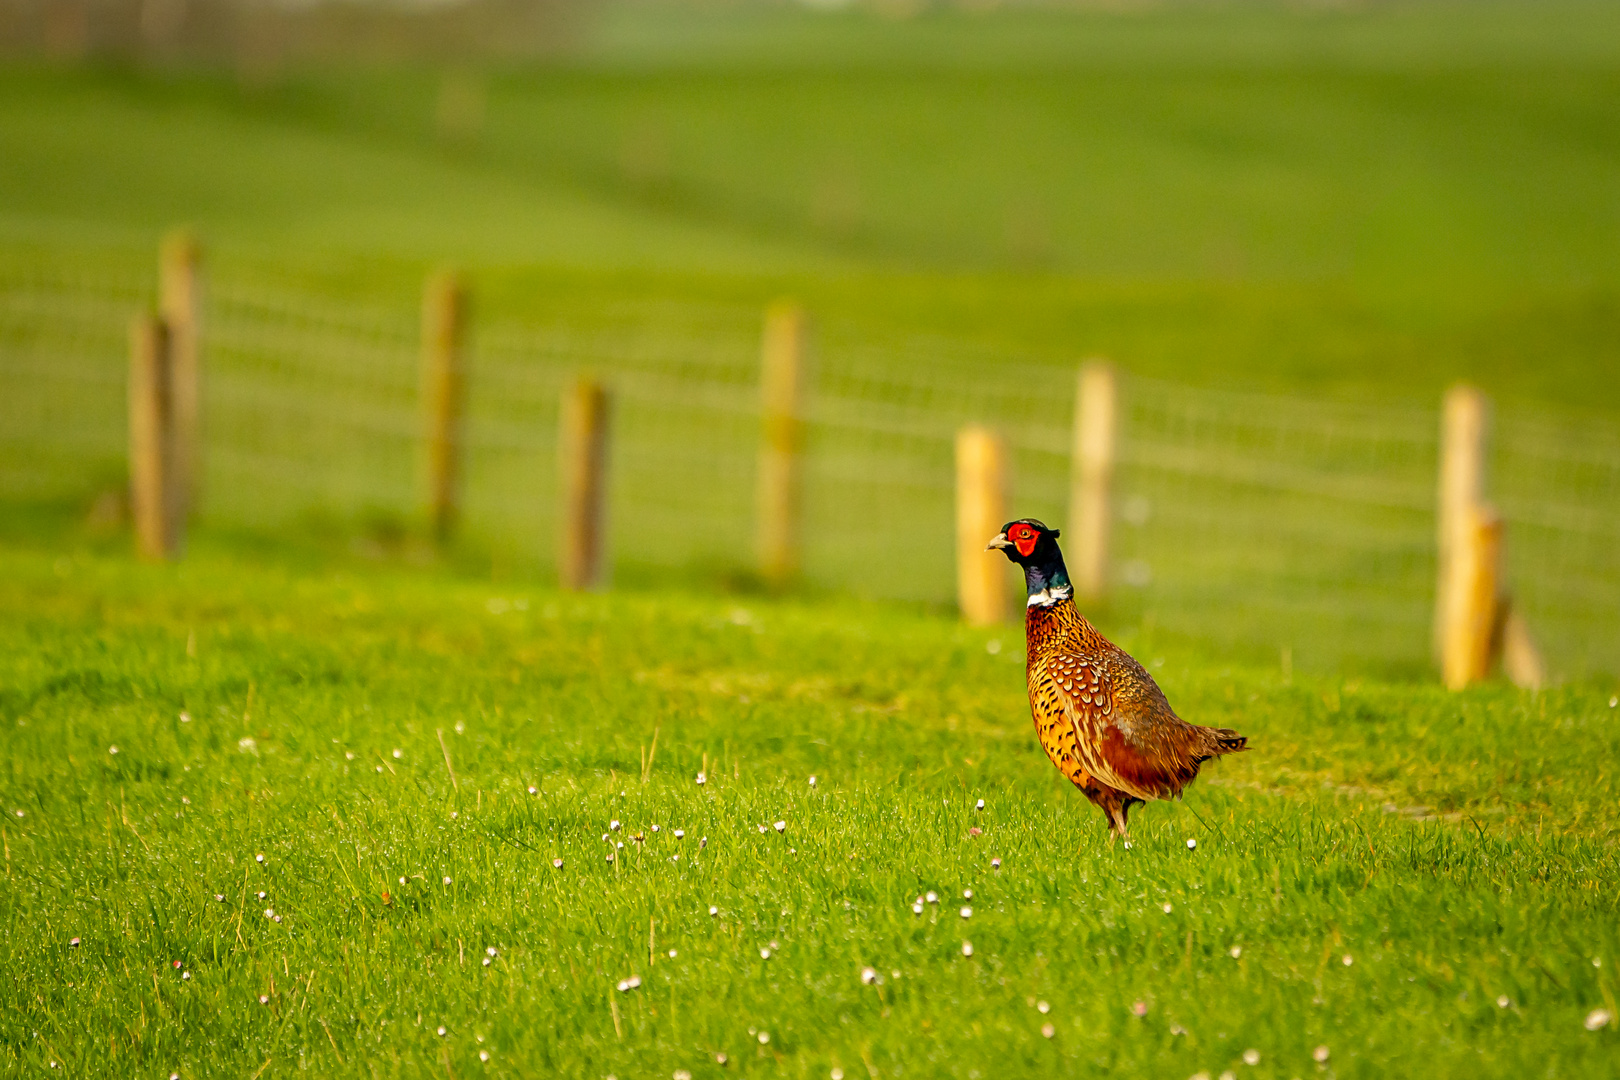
pixel 152 492
pixel 1475 620
pixel 1521 660
pixel 582 455
pixel 1464 422
pixel 1470 624
pixel 444 324
pixel 782 378
pixel 981 507
pixel 1091 477
pixel 180 303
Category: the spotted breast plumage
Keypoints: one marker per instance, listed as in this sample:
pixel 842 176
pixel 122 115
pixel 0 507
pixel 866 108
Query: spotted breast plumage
pixel 1099 715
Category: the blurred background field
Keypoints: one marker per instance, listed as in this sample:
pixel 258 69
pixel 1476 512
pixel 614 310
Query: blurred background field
pixel 1290 227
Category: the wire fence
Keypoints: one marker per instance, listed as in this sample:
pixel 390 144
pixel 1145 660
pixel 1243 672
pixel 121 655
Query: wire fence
pixel 1261 523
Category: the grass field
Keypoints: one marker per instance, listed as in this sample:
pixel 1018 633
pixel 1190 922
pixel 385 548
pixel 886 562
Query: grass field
pixel 1418 881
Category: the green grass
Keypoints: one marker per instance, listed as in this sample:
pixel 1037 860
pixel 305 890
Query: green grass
pixel 1457 848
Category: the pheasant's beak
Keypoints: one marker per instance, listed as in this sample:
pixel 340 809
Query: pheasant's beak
pixel 1000 543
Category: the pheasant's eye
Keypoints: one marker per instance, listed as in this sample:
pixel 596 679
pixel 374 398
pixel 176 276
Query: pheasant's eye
pixel 1023 538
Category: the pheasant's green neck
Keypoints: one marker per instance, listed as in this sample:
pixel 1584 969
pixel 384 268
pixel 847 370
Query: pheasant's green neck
pixel 1047 581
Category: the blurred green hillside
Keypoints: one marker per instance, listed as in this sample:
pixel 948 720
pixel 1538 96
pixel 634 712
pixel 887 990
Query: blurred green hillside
pixel 1372 200
pixel 1290 227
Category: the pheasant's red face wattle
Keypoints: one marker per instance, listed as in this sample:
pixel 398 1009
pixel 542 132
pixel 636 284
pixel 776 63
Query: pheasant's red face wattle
pixel 1023 538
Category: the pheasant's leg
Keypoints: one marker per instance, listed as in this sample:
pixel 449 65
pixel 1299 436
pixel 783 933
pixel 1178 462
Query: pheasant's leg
pixel 1117 815
pixel 1116 804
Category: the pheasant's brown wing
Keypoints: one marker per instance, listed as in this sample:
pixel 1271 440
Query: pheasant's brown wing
pixel 1125 732
pixel 1055 729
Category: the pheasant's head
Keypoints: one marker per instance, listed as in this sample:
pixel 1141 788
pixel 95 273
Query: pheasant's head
pixel 1027 542
pixel 1033 546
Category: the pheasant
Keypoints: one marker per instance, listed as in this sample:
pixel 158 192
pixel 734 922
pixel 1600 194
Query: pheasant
pixel 1100 717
